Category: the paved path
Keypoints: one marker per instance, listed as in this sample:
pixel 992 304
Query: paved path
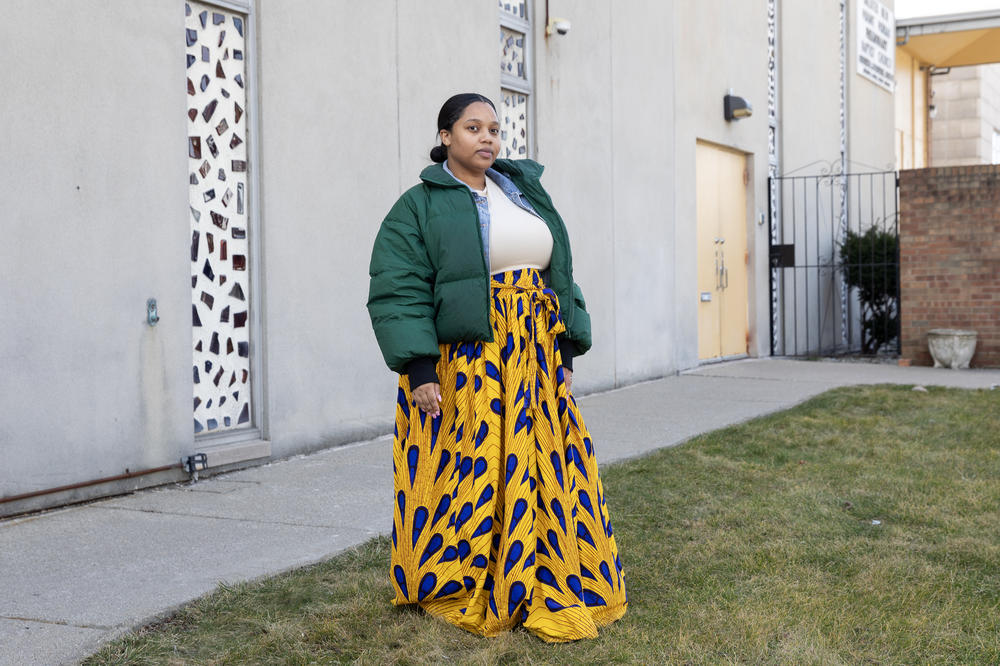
pixel 76 577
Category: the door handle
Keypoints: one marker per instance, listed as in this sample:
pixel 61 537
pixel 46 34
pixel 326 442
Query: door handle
pixel 726 275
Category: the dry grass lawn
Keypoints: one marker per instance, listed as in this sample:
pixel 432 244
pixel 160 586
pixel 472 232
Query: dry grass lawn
pixel 860 527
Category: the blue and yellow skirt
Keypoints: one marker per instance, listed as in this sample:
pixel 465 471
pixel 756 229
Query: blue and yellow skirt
pixel 500 515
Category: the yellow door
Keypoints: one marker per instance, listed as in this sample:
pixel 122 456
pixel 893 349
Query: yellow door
pixel 722 251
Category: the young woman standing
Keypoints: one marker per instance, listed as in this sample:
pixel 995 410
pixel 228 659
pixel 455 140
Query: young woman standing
pixel 500 515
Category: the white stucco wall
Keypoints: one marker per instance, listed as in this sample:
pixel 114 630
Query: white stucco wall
pixel 94 189
pixel 871 112
pixel 337 150
pixel 718 46
pixel 605 133
pixel 809 89
pixel 96 198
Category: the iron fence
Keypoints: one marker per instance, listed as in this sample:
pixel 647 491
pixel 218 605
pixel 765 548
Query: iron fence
pixel 834 268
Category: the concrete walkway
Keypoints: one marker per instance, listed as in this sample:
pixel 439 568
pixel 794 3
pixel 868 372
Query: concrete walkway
pixel 76 577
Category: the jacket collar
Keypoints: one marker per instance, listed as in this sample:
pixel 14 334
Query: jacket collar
pixel 517 169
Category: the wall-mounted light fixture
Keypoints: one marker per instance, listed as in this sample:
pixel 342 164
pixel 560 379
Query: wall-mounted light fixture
pixel 734 108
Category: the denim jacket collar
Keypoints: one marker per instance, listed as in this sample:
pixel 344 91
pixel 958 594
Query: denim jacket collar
pixel 482 203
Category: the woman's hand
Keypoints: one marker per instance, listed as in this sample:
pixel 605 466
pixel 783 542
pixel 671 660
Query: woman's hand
pixel 428 398
pixel 568 378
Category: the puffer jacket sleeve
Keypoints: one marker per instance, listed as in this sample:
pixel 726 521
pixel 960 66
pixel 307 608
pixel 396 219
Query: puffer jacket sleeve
pixel 579 333
pixel 570 346
pixel 401 290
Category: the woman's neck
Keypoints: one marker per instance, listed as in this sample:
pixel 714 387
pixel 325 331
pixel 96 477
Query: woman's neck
pixel 474 179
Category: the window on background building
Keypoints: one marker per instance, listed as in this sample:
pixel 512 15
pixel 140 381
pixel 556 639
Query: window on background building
pixel 515 78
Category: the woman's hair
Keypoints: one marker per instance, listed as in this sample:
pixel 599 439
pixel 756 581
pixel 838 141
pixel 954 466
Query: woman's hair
pixel 450 112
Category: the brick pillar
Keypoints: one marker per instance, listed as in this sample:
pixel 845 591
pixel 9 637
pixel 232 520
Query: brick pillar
pixel 949 240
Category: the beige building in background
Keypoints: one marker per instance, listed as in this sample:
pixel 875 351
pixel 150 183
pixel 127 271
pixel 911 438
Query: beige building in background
pixel 965 126
pixel 948 90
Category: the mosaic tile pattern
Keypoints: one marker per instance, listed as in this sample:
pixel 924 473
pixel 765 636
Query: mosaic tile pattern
pixel 513 124
pixel 217 157
pixel 512 53
pixel 517 8
pixel 772 158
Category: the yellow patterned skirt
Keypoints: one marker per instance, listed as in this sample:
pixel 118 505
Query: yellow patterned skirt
pixel 500 516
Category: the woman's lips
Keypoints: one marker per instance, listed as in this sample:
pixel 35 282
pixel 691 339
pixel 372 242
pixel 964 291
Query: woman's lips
pixel 485 153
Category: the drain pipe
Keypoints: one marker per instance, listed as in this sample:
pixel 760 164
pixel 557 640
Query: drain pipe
pixel 95 482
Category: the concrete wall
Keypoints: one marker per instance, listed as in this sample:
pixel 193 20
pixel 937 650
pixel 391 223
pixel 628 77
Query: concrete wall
pixel 809 88
pixel 94 191
pixel 719 45
pixel 96 200
pixel 336 151
pixel 871 109
pixel 573 138
pixel 605 104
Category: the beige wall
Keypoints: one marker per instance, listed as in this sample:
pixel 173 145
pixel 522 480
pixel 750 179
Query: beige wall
pixel 967 101
pixel 911 100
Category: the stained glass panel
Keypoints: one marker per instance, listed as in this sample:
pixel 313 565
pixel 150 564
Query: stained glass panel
pixel 512 53
pixel 217 151
pixel 515 8
pixel 513 124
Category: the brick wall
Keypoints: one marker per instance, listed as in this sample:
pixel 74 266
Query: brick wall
pixel 949 239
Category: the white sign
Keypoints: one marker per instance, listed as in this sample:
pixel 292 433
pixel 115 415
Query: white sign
pixel 876 43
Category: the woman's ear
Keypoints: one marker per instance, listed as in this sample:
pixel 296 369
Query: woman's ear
pixel 445 137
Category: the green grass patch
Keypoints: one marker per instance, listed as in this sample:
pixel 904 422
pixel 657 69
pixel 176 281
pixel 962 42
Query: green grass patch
pixel 752 544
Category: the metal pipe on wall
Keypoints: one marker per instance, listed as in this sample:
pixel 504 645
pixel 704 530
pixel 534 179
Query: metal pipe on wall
pixel 85 484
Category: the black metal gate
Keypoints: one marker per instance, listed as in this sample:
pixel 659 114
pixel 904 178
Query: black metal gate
pixel 834 264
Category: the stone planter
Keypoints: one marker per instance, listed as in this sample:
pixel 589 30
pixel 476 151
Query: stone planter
pixel 951 348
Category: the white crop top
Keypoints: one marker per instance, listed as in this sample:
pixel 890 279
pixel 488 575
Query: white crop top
pixel 518 239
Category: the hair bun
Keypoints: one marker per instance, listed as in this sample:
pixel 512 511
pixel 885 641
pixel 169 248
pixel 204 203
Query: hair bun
pixel 439 154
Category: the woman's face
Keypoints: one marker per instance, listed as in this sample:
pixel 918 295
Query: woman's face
pixel 474 140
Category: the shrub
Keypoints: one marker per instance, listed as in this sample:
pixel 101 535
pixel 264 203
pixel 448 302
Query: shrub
pixel 871 265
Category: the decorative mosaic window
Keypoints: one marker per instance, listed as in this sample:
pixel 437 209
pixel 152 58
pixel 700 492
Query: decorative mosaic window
pixel 516 83
pixel 217 159
pixel 512 53
pixel 513 124
pixel 517 9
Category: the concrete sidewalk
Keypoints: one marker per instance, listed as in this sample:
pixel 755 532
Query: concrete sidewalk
pixel 76 577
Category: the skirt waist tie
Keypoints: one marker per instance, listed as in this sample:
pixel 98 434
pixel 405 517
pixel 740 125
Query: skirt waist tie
pixel 544 309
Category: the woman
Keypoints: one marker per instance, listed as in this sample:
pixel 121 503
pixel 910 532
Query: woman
pixel 500 516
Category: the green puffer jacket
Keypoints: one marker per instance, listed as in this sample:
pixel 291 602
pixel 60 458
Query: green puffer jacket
pixel 429 279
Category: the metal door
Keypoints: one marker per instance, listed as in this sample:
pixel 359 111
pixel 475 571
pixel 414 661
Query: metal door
pixel 722 251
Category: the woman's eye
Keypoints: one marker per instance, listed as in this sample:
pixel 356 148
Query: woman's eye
pixel 473 128
pixel 495 130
